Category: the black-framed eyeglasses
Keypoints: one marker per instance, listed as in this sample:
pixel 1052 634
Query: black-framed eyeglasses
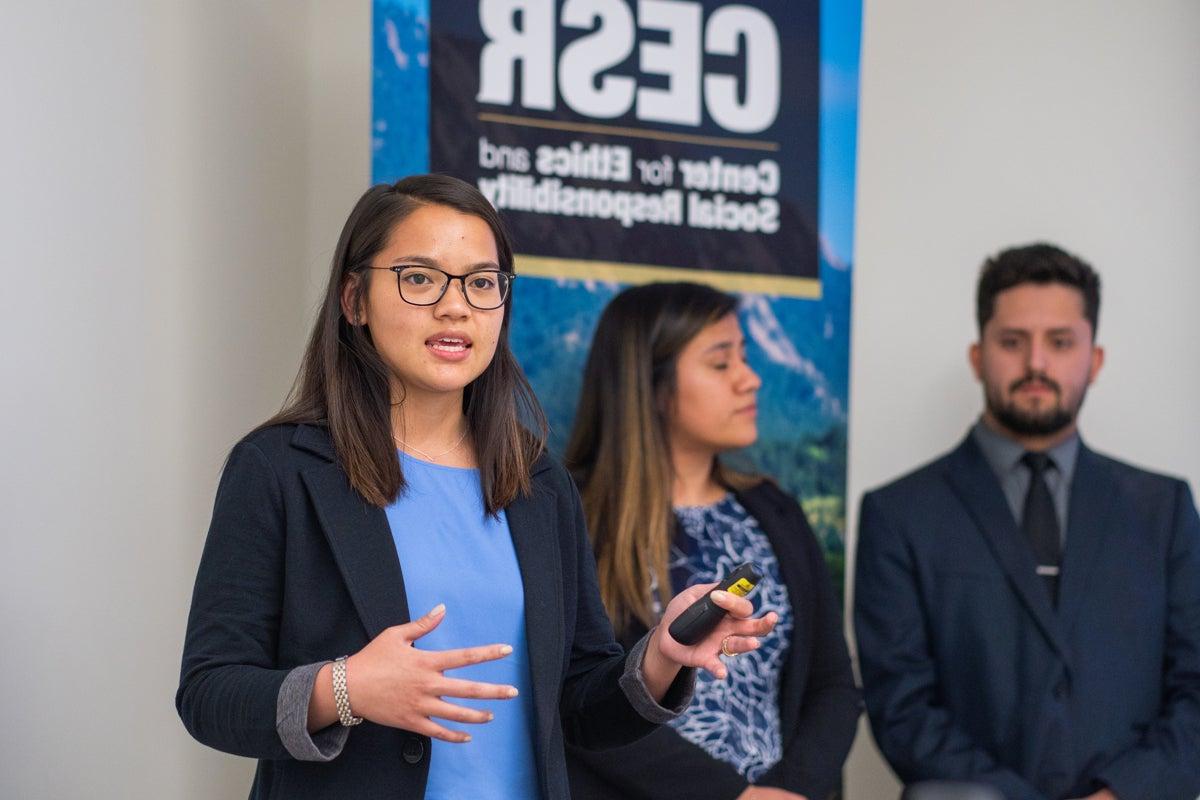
pixel 420 285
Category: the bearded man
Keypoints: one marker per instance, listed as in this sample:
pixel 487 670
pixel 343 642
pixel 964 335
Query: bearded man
pixel 1028 610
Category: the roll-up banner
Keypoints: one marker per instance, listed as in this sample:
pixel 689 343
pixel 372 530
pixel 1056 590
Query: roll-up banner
pixel 627 141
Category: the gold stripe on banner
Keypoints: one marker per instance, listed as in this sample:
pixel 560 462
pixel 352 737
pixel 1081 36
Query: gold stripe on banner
pixel 786 286
pixel 636 133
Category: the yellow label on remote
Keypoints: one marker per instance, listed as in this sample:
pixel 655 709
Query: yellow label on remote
pixel 741 588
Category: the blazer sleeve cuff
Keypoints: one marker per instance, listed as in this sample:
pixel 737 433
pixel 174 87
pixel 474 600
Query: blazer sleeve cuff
pixel 291 718
pixel 633 684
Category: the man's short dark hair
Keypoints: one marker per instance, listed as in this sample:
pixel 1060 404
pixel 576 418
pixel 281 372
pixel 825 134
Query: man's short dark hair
pixel 1039 263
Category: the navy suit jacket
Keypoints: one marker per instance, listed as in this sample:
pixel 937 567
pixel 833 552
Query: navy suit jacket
pixel 969 671
pixel 818 701
pixel 298 568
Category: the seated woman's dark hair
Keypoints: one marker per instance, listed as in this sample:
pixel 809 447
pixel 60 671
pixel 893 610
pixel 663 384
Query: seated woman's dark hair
pixel 618 449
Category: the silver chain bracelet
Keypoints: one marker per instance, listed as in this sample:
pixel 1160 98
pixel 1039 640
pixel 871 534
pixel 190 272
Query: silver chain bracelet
pixel 341 697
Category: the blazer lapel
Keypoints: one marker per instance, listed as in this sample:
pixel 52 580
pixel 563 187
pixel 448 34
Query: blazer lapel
pixel 359 535
pixel 1091 515
pixel 973 481
pixel 531 523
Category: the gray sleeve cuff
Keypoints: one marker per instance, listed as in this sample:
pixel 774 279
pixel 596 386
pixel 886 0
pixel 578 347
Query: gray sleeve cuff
pixel 291 718
pixel 633 683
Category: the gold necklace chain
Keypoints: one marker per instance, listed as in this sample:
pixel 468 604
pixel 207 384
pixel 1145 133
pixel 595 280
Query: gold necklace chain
pixel 427 456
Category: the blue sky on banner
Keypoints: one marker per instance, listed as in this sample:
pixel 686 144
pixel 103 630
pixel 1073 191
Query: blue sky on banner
pixel 840 49
pixel 399 89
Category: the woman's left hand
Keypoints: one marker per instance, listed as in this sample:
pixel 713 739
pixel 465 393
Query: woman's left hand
pixel 736 633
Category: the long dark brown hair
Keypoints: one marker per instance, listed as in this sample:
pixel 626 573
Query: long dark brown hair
pixel 619 451
pixel 343 383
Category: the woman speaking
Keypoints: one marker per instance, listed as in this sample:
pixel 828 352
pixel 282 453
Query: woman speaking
pixel 397 596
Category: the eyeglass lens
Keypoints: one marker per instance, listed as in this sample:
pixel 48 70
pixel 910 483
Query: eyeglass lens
pixel 423 286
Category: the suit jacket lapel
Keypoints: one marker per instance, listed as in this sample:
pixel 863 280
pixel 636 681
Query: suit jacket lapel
pixel 359 535
pixel 1091 515
pixel 976 486
pixel 531 523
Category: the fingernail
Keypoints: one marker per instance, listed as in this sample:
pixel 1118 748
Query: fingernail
pixel 466 739
pixel 438 610
pixel 505 649
pixel 721 674
pixel 491 716
pixel 512 691
pixel 720 595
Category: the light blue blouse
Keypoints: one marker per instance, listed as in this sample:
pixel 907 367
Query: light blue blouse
pixel 452 552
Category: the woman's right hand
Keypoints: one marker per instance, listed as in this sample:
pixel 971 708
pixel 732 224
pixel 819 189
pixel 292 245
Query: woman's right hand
pixel 392 683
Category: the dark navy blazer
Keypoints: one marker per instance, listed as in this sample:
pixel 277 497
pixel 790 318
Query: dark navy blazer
pixel 971 673
pixel 818 701
pixel 298 568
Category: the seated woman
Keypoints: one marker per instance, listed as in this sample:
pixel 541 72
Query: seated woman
pixel 666 390
pixel 407 473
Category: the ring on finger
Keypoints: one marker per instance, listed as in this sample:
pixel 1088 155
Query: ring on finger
pixel 725 651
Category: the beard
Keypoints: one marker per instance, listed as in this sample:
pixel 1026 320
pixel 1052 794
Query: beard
pixel 1043 422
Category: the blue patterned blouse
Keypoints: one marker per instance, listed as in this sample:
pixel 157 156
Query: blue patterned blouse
pixel 735 720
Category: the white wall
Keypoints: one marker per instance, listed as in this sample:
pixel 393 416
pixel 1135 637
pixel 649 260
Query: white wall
pixel 990 124
pixel 153 216
pixel 175 175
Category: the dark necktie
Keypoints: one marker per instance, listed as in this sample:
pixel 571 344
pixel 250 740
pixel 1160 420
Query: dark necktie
pixel 1040 522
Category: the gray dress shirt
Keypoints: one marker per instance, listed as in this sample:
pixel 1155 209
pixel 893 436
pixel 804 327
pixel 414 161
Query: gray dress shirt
pixel 1004 456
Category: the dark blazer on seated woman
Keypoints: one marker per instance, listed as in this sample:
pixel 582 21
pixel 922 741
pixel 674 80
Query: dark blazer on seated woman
pixel 298 569
pixel 819 701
